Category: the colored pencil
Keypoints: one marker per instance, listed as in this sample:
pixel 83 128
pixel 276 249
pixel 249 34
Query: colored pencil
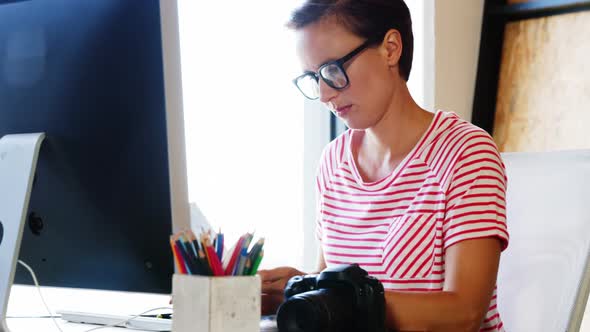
pixel 177 260
pixel 231 266
pixel 254 269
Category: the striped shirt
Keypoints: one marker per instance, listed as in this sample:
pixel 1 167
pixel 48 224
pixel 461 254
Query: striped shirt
pixel 450 188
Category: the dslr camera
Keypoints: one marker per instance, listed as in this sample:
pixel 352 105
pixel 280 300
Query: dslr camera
pixel 342 298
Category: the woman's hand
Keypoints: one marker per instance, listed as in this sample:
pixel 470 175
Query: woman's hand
pixel 273 287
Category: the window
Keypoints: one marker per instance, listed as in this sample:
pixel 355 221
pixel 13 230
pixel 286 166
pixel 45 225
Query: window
pixel 244 121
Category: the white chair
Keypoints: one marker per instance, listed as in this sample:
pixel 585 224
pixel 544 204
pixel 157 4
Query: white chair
pixel 544 276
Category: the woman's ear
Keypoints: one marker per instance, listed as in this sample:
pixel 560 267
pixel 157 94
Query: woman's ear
pixel 392 44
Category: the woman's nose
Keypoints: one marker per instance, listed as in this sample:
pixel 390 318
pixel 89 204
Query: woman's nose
pixel 327 92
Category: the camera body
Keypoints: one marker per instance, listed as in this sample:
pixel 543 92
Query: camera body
pixel 341 298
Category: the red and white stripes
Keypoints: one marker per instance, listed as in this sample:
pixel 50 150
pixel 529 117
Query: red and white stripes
pixel 451 187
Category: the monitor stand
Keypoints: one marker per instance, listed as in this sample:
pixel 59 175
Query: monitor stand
pixel 18 160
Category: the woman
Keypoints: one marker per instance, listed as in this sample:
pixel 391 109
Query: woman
pixel 417 199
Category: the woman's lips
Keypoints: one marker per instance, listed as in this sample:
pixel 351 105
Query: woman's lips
pixel 343 110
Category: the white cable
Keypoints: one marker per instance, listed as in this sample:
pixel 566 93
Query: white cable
pixel 93 329
pixel 40 294
pixel 127 320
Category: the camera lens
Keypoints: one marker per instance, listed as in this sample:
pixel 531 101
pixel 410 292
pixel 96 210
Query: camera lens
pixel 298 315
pixel 324 310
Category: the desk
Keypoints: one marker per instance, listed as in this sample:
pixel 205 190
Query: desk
pixel 25 301
pixel 46 325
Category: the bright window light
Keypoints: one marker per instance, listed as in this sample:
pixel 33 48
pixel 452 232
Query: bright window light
pixel 244 121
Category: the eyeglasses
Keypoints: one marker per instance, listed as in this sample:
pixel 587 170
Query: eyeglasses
pixel 332 73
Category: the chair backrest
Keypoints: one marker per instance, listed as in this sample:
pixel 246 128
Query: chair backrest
pixel 544 276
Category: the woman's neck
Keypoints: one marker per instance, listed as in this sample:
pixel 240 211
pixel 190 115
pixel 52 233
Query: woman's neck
pixel 399 130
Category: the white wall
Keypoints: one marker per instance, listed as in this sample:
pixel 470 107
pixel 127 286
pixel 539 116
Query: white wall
pixel 455 33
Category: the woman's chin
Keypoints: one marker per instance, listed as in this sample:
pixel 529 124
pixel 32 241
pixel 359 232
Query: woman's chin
pixel 355 125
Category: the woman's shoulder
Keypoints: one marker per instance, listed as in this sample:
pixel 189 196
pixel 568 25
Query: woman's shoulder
pixel 451 128
pixel 450 120
pixel 457 140
pixel 466 149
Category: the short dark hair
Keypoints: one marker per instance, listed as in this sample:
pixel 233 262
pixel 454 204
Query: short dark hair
pixel 370 19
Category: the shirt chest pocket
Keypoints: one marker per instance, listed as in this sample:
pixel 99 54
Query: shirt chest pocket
pixel 409 250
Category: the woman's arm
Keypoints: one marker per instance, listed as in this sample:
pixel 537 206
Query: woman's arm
pixel 321 261
pixel 274 281
pixel 471 268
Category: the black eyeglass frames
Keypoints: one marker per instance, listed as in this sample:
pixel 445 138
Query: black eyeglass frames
pixel 332 73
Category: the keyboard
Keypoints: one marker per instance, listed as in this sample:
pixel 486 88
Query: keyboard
pixel 267 323
pixel 138 323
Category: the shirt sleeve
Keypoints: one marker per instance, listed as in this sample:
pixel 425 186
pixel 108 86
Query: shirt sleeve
pixel 476 196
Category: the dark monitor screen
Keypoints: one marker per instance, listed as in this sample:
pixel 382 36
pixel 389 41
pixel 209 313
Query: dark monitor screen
pixel 90 75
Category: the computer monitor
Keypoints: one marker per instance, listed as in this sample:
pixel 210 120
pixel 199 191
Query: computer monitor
pixel 102 80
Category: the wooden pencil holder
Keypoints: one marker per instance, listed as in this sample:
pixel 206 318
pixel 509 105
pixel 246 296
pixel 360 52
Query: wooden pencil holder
pixel 216 304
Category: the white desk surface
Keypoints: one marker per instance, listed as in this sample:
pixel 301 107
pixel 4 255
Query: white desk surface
pixel 25 301
pixel 46 325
